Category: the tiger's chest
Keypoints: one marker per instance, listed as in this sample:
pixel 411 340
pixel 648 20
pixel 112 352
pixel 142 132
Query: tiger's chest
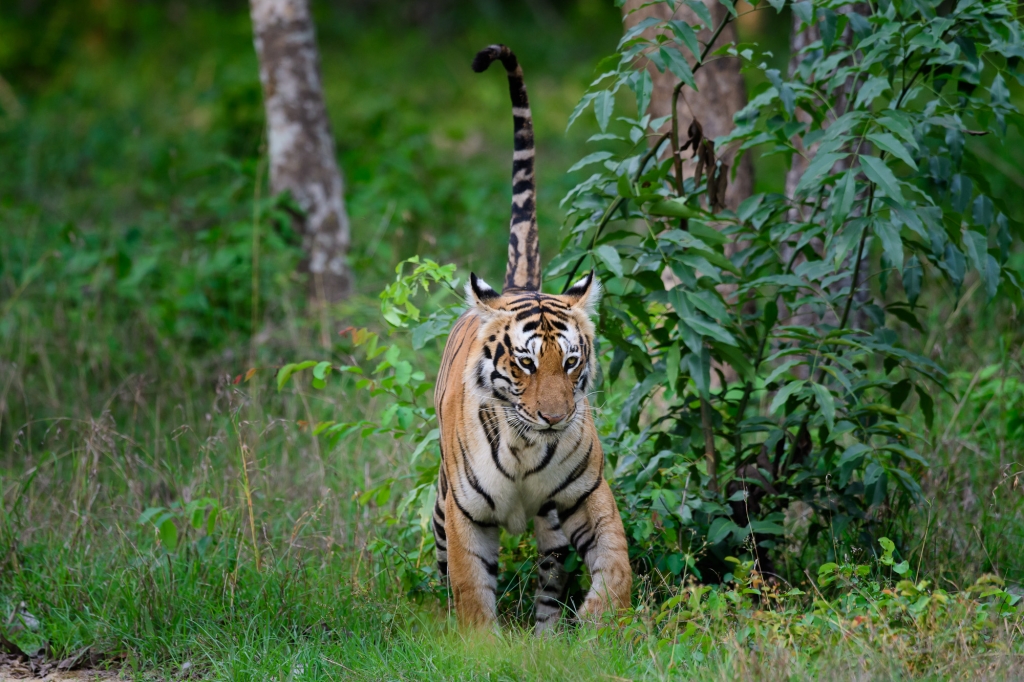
pixel 510 476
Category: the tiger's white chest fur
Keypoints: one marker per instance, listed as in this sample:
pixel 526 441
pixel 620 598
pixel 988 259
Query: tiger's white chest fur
pixel 515 474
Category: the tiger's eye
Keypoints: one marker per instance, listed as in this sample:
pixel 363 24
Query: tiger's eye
pixel 570 363
pixel 526 362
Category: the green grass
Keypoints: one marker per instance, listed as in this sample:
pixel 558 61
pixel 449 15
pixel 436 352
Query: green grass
pixel 128 303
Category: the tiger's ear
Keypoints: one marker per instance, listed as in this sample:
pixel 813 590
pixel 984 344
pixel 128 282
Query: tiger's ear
pixel 480 295
pixel 585 294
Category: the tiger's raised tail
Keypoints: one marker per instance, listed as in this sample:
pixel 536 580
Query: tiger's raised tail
pixel 523 270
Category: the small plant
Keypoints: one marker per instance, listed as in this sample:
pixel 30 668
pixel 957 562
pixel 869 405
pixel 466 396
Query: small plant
pixel 197 518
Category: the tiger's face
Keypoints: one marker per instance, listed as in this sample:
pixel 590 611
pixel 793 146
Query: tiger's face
pixel 537 359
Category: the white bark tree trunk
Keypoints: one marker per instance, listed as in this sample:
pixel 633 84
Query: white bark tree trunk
pixel 301 146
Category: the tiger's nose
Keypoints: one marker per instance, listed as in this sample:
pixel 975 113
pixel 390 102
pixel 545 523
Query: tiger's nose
pixel 552 418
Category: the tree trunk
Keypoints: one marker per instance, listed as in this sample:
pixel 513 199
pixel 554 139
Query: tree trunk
pixel 301 146
pixel 721 89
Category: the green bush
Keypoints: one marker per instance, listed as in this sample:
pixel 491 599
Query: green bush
pixel 817 412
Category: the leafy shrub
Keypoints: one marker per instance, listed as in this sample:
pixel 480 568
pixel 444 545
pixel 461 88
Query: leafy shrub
pixel 875 602
pixel 811 412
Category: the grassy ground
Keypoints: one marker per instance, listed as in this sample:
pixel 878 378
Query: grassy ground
pixel 129 302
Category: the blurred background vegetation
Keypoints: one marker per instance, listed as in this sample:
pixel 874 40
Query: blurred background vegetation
pixel 133 181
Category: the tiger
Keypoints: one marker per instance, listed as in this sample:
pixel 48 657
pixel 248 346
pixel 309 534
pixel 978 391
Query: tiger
pixel 517 433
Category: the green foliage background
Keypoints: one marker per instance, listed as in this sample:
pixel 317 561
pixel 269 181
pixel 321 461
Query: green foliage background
pixel 134 299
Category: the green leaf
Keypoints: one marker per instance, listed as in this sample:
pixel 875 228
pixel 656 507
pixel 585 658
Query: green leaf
pixel 589 159
pixel 684 32
pixel 982 212
pixel 888 546
pixel 899 392
pixel 700 370
pixel 804 11
pixel 783 395
pixel 782 369
pixel 322 369
pixel 197 517
pixel 288 370
pixel 976 245
pixel 901 125
pixel 672 358
pixel 845 192
pixel 889 234
pixel 852 453
pixel 604 103
pixel 403 372
pixel 169 534
pixel 677 65
pixel 702 12
pixel 710 329
pixel 580 107
pixel 642 87
pixel 708 234
pixel 610 257
pixel 821 165
pixel 927 405
pixel 785 90
pixel 961 190
pixel 771 315
pixel 826 403
pixel 902 567
pixel 954 265
pixel 767 528
pixel 888 143
pixel 913 273
pixel 828 20
pixel 148 515
pixel 879 173
pixel 1003 238
pixel 872 88
pixel 675 208
pixel 720 529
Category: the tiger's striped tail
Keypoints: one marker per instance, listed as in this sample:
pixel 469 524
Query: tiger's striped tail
pixel 523 270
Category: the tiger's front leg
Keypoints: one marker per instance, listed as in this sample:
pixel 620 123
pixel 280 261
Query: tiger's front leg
pixel 472 565
pixel 594 529
pixel 553 548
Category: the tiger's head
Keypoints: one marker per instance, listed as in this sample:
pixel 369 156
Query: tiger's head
pixel 537 356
